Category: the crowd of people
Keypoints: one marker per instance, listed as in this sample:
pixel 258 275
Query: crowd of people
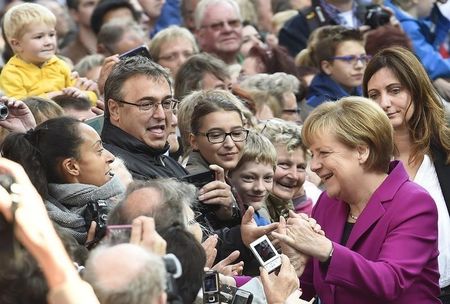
pixel 148 144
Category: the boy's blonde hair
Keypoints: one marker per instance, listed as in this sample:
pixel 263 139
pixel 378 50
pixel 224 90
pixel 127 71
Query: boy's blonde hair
pixel 19 17
pixel 259 149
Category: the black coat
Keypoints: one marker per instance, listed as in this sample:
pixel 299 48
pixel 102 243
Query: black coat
pixel 142 161
pixel 443 173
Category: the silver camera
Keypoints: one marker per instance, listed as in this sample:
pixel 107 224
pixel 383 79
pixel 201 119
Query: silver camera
pixel 3 111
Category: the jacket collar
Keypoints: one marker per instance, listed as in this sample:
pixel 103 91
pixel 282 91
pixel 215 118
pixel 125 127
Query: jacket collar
pixel 376 208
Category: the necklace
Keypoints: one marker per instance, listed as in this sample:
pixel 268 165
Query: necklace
pixel 353 217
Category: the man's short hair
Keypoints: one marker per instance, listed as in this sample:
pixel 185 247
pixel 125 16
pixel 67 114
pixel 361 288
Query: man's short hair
pixel 190 74
pixel 72 102
pixel 326 47
pixel 259 149
pixel 203 5
pixel 167 34
pixel 176 198
pixel 128 68
pixel 113 31
pixel 17 19
pixel 140 276
pixel 105 6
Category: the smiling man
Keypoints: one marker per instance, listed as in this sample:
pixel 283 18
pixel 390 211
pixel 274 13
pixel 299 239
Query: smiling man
pixel 219 28
pixel 138 115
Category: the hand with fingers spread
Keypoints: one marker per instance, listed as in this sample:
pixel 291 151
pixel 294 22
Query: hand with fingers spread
pixel 20 119
pixel 226 268
pixel 219 193
pixel 143 233
pixel 250 231
pixel 278 287
pixel 209 245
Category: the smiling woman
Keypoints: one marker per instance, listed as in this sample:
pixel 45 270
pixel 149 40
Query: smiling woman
pixel 69 167
pixel 370 213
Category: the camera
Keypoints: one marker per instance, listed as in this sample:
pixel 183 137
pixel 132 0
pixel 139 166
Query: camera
pixel 242 297
pixel 3 111
pixel 376 16
pixel 139 51
pixel 174 271
pixel 97 211
pixel 211 287
pixel 266 253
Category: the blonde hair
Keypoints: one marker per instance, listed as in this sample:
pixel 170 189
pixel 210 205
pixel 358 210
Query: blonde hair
pixel 259 149
pixel 280 18
pixel 19 17
pixel 354 121
pixel 167 34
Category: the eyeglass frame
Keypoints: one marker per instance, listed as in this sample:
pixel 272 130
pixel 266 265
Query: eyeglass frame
pixel 225 136
pixel 352 59
pixel 220 25
pixel 173 105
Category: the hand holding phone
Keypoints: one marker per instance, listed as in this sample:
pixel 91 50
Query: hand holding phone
pixel 266 253
pixel 139 51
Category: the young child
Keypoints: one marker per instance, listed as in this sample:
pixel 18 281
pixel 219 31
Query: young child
pixel 342 60
pixel 252 178
pixel 34 70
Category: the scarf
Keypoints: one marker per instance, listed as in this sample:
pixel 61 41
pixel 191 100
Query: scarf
pixel 67 203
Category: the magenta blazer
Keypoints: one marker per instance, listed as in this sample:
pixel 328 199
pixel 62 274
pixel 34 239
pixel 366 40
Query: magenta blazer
pixel 391 253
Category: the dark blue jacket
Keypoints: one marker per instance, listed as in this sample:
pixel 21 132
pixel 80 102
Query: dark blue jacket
pixel 324 88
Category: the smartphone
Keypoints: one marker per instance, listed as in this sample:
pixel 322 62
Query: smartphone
pixel 200 179
pixel 266 253
pixel 139 51
pixel 96 123
pixel 211 287
pixel 242 297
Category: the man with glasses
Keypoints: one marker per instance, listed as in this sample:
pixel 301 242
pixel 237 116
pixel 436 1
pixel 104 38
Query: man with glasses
pixel 342 60
pixel 219 28
pixel 139 107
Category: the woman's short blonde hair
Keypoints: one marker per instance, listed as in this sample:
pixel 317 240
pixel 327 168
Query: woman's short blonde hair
pixel 17 19
pixel 170 33
pixel 284 133
pixel 354 121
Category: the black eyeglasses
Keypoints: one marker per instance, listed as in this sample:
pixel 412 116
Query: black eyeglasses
pixel 291 111
pixel 353 59
pixel 217 137
pixel 166 104
pixel 218 26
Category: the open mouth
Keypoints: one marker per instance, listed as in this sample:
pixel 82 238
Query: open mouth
pixel 158 130
pixel 286 185
pixel 326 177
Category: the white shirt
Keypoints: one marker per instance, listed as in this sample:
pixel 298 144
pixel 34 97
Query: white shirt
pixel 427 178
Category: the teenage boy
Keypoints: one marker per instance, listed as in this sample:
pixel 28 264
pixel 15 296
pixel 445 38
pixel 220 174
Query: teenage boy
pixel 342 61
pixel 252 178
pixel 34 70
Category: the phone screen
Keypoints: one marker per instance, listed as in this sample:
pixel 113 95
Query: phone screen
pixel 210 282
pixel 265 250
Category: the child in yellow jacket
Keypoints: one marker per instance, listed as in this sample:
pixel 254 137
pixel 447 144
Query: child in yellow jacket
pixel 35 70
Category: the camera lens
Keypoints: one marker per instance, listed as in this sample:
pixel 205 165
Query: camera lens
pixel 3 111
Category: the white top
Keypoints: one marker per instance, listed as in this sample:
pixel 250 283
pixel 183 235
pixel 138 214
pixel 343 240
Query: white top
pixel 349 19
pixel 427 178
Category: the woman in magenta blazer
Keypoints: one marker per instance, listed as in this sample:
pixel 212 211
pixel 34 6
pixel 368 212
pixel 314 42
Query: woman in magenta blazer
pixel 380 243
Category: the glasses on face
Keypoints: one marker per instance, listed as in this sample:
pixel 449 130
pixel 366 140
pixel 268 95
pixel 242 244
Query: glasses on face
pixel 146 105
pixel 353 59
pixel 218 26
pixel 217 137
pixel 291 111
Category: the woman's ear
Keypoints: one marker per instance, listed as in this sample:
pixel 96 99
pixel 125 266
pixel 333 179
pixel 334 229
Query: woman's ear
pixel 326 67
pixel 363 153
pixel 193 141
pixel 70 167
